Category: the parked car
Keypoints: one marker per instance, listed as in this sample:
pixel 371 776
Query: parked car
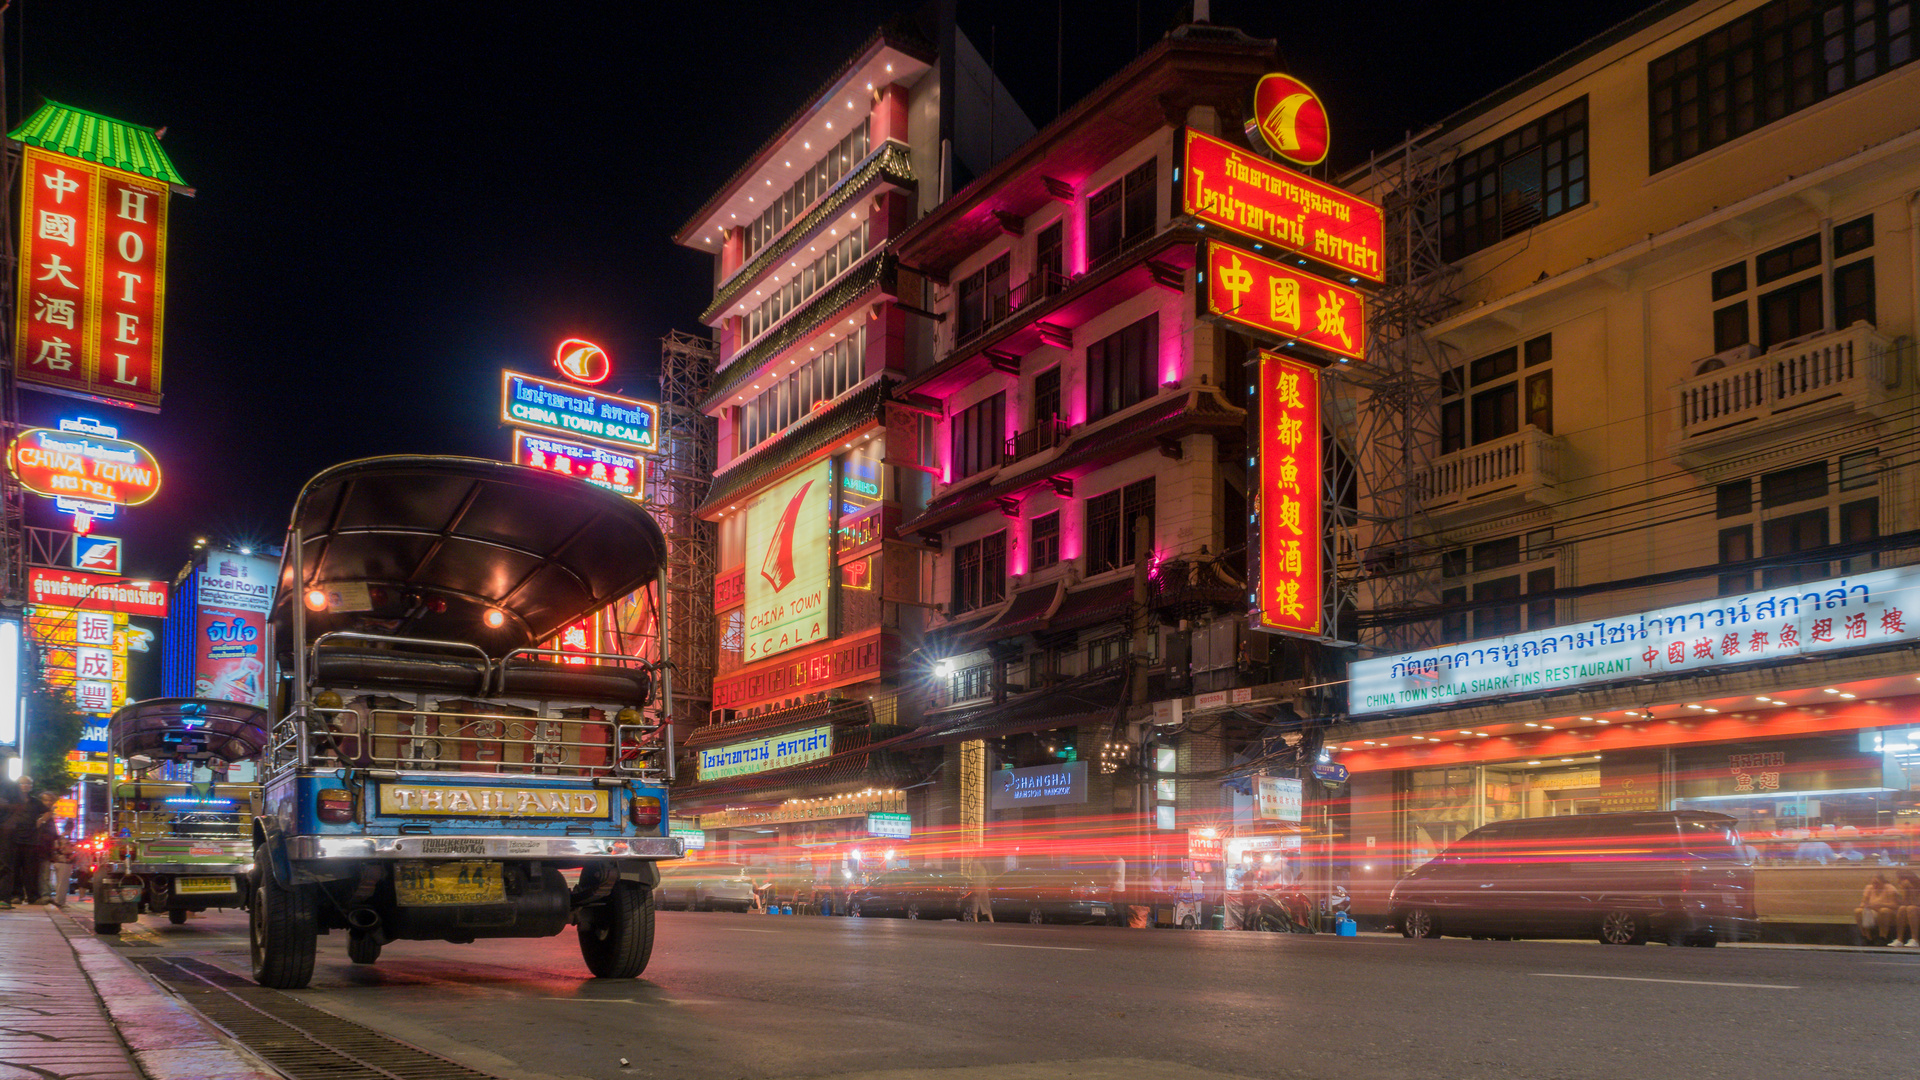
pixel 1051 894
pixel 914 894
pixel 1682 877
pixel 704 886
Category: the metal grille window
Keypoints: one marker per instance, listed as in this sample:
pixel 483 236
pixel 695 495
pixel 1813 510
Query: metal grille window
pixel 1493 396
pixel 1049 259
pixel 980 436
pixel 983 299
pixel 813 184
pixel 795 397
pixel 1794 309
pixel 979 573
pixel 1767 64
pixel 1120 213
pixel 969 683
pixel 1111 543
pixel 1123 368
pixel 1046 396
pixel 1517 181
pixel 1046 540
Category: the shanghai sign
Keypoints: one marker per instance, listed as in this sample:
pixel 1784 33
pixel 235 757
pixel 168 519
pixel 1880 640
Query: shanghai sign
pixel 1226 186
pixel 579 414
pixel 1291 118
pixel 65 464
pixel 91 281
pixel 1290 541
pixel 1283 302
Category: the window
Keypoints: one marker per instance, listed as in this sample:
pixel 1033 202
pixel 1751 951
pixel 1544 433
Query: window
pixel 796 396
pixel 1798 484
pixel 1730 330
pixel 979 436
pixel 1789 313
pixel 979 573
pixel 1853 294
pixel 1508 186
pixel 1120 213
pixel 1772 61
pixel 1733 498
pixel 1540 613
pixel 1855 235
pixel 1730 281
pixel 1786 260
pixel 1046 396
pixel 1111 539
pixel 1045 540
pixel 968 683
pixel 1804 531
pixel 1487 400
pixel 1736 545
pixel 1123 368
pixel 1495 554
pixel 1049 260
pixel 812 185
pixel 1108 650
pixel 1503 619
pixel 1455 624
pixel 1859 469
pixel 983 299
pixel 1859 522
pixel 787 297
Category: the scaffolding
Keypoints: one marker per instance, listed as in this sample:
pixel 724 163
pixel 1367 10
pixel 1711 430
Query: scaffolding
pixel 682 476
pixel 13 501
pixel 1388 565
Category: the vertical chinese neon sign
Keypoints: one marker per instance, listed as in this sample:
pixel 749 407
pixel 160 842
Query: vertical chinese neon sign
pixel 1290 541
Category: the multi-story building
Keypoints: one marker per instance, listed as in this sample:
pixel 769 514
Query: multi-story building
pixel 819 595
pixel 1678 378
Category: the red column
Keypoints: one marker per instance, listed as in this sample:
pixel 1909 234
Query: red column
pixel 732 251
pixel 889 114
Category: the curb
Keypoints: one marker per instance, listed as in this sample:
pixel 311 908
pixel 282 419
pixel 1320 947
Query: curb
pixel 166 1037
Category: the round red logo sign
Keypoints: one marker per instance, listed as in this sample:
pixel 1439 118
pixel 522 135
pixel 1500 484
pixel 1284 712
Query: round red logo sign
pixel 1291 119
pixel 582 361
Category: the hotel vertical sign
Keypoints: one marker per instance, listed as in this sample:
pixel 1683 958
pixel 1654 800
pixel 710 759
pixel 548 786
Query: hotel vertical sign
pixel 92 274
pixel 1290 541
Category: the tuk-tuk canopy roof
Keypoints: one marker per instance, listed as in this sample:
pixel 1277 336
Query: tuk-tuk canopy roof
pixel 188 729
pixel 425 547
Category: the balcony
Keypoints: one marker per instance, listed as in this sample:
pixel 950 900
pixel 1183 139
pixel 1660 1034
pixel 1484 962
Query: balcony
pixel 997 308
pixel 1498 477
pixel 1839 376
pixel 1043 436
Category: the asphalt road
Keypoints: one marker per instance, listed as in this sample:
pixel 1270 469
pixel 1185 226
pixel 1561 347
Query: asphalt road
pixel 731 996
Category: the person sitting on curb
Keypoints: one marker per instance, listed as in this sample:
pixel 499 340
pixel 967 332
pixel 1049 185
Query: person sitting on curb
pixel 1906 917
pixel 1878 902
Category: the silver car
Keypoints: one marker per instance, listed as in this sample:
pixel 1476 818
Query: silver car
pixel 705 886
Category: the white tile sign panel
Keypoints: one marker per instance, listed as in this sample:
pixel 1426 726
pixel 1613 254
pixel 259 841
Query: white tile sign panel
pixel 1863 611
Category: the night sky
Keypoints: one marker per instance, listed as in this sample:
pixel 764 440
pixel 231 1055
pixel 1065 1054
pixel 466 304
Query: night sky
pixel 398 199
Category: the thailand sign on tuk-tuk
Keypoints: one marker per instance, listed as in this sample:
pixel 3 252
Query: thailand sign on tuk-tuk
pixel 436 775
pixel 183 844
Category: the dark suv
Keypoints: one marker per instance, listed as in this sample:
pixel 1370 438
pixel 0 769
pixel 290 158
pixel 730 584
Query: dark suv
pixel 1050 894
pixel 1679 876
pixel 914 894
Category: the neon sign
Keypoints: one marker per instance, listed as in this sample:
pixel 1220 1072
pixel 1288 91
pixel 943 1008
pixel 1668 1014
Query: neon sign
pixel 1283 302
pixel 578 414
pixel 1290 494
pixel 582 361
pixel 80 465
pixel 1237 189
pixel 615 470
pixel 1291 119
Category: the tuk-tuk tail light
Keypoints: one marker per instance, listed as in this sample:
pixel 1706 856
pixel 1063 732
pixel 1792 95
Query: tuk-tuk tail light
pixel 336 806
pixel 644 812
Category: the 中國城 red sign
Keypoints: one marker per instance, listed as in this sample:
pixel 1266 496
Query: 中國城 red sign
pixel 1237 189
pixel 92 280
pixel 1291 118
pixel 1284 302
pixel 78 465
pixel 1290 493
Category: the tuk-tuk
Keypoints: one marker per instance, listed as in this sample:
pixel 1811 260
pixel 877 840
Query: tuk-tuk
pixel 178 845
pixel 437 775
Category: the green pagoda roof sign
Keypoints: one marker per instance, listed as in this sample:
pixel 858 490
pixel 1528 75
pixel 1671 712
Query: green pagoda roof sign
pixel 63 129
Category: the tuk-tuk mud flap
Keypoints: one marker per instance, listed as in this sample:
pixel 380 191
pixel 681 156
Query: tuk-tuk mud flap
pixel 301 1041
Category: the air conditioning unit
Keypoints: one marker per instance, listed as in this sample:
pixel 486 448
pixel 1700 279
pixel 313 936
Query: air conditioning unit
pixel 1725 358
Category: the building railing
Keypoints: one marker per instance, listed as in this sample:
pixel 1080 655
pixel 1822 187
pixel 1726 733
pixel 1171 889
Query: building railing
pixel 1045 435
pixel 998 309
pixel 1525 462
pixel 1848 369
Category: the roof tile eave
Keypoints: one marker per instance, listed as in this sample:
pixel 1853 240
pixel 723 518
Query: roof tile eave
pixel 89 136
pixel 809 317
pixel 813 434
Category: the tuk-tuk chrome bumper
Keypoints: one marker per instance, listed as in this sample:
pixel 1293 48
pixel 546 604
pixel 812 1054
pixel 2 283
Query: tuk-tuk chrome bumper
pixel 301 848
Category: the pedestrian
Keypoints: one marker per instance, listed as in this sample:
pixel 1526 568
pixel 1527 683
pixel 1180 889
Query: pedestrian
pixel 46 836
pixel 19 812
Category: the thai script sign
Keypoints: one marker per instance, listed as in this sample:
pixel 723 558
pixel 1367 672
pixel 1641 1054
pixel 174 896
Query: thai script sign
pixel 616 470
pixel 821 809
pixel 91 280
pixel 1291 119
pixel 1800 620
pixel 1290 494
pixel 771 752
pixel 1044 785
pixel 1236 189
pixel 578 413
pixel 92 468
pixel 71 589
pixel 1281 798
pixel 1205 845
pixel 789 529
pixel 1283 302
pixel 472 801
pixel 891 826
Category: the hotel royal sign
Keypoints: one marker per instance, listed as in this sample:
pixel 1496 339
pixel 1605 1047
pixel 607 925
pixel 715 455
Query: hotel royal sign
pixel 1290 497
pixel 90 298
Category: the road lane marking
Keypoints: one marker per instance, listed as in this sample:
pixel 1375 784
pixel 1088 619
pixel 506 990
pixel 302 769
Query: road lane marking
pixel 1054 948
pixel 1682 982
pixel 745 930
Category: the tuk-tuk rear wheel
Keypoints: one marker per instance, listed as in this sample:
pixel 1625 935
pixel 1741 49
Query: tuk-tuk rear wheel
pixel 282 929
pixel 616 935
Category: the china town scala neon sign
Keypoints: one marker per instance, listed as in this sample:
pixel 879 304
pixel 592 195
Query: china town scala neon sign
pixel 78 465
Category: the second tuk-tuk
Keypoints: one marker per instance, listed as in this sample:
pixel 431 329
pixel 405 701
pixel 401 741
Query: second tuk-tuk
pixel 178 845
pixel 437 775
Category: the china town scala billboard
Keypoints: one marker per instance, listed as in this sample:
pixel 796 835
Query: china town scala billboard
pixel 1283 302
pixel 1236 189
pixel 576 412
pixel 1872 610
pixel 788 530
pixel 1290 541
pixel 92 280
pixel 84 466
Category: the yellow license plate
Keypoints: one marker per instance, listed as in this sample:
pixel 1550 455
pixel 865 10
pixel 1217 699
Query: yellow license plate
pixel 204 885
pixel 422 884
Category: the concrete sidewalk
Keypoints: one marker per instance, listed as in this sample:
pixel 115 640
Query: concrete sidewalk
pixel 71 1009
